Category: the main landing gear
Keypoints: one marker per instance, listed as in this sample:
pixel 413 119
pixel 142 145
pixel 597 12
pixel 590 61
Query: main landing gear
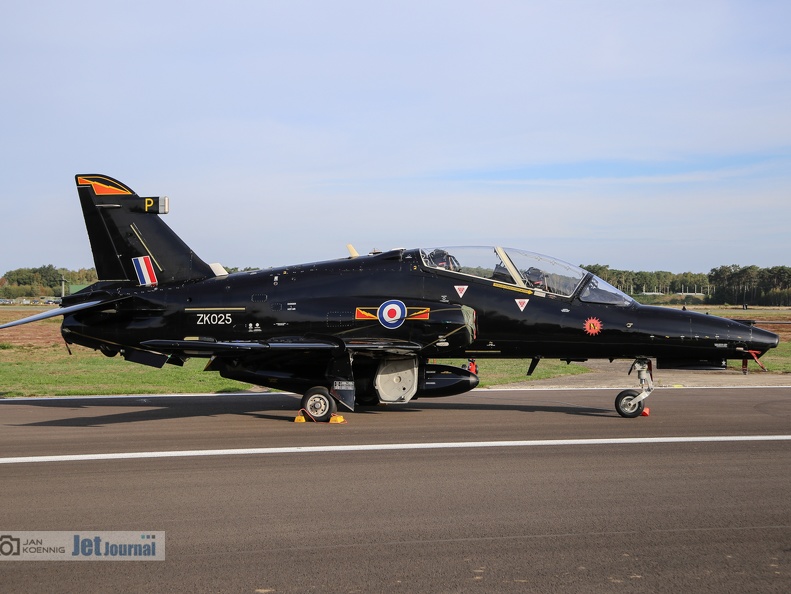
pixel 319 404
pixel 631 403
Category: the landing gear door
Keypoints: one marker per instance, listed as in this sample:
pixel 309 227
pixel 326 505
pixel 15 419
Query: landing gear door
pixel 342 388
pixel 397 379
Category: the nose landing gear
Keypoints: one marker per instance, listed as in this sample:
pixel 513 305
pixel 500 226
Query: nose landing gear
pixel 631 403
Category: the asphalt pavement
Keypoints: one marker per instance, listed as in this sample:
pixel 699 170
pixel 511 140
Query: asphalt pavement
pixel 536 490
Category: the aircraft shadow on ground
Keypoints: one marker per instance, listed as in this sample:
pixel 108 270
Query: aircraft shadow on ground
pixel 568 409
pixel 146 408
pixel 282 407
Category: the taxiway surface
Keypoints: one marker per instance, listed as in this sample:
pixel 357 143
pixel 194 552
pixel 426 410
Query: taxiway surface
pixel 566 505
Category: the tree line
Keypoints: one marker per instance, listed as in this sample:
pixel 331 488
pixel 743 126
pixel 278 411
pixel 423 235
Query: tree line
pixel 732 284
pixel 44 281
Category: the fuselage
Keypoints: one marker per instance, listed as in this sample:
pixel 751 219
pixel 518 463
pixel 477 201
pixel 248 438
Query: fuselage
pixel 450 313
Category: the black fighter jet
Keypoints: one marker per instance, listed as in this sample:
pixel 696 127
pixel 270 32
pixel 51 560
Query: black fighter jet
pixel 363 329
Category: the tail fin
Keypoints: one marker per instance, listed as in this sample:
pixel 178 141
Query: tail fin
pixel 130 242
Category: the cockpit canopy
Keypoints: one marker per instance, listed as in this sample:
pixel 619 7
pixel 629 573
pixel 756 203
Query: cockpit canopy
pixel 526 270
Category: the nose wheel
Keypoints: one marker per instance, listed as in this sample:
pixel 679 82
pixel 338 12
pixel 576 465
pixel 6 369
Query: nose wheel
pixel 631 403
pixel 628 405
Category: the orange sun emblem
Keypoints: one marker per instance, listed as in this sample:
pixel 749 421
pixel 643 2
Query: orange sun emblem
pixel 593 326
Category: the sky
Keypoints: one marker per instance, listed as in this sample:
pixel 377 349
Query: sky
pixel 642 135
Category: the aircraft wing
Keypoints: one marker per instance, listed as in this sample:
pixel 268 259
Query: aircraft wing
pixel 296 363
pixel 396 347
pixel 233 347
pixel 313 344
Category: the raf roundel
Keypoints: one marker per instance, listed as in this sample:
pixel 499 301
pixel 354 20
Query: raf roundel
pixel 391 314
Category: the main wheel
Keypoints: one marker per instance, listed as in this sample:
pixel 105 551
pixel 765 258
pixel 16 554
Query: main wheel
pixel 626 406
pixel 319 404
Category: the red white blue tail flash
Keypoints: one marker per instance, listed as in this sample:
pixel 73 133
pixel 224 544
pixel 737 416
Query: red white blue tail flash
pixel 145 271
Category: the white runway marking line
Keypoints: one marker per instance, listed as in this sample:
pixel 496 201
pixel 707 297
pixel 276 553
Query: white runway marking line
pixel 392 447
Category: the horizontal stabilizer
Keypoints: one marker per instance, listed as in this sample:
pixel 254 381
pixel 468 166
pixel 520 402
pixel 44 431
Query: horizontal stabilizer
pixel 60 311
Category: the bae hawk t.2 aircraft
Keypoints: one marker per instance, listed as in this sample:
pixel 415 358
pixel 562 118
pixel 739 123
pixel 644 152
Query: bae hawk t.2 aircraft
pixel 363 329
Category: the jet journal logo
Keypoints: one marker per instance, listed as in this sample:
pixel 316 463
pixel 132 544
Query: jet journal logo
pixel 82 546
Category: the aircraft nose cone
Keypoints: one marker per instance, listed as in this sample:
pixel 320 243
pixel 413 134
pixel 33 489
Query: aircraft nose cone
pixel 687 334
pixel 763 340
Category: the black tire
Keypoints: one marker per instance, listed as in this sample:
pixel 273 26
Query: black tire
pixel 319 404
pixel 625 406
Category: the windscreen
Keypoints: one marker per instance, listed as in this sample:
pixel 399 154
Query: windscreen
pixel 600 291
